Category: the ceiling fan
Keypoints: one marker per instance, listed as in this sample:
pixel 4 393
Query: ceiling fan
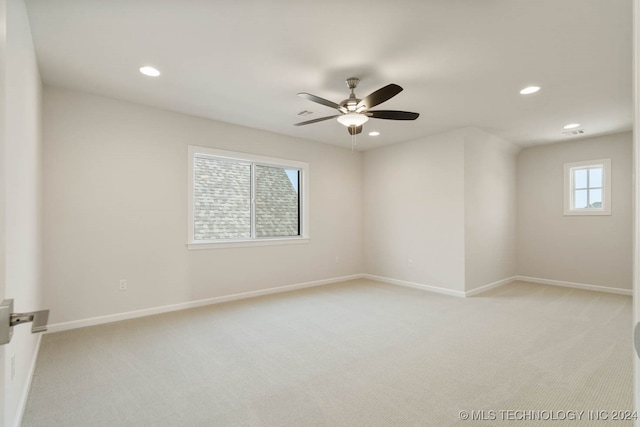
pixel 355 112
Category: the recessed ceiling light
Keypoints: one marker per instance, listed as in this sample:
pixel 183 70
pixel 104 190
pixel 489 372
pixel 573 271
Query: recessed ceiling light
pixel 149 71
pixel 572 126
pixel 529 90
pixel 374 133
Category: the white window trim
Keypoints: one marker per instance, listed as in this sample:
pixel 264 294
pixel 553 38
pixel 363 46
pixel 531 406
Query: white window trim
pixel 606 188
pixel 304 236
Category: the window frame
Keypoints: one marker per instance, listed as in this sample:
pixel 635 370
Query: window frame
pixel 254 160
pixel 569 187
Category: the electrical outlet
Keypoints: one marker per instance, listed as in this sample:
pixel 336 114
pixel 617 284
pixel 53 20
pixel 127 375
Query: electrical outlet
pixel 337 260
pixel 123 284
pixel 410 262
pixel 13 366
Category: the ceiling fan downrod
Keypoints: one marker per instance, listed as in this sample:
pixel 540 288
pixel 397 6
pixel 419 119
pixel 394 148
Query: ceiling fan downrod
pixel 351 103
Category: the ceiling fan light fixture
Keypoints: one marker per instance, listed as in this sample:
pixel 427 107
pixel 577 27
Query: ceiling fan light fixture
pixel 352 119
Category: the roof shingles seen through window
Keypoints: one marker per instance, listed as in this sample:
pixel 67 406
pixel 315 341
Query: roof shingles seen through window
pixel 222 201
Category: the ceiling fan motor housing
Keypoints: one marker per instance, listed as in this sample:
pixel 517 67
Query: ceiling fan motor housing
pixel 350 104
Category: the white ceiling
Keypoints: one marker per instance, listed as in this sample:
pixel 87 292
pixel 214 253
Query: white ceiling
pixel 460 62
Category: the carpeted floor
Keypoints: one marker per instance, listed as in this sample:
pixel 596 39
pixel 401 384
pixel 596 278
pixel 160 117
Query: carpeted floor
pixel 359 353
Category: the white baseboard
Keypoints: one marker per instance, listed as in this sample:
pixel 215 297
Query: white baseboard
pixel 430 288
pixel 440 290
pixel 22 404
pixel 502 282
pixel 485 288
pixel 64 326
pixel 584 286
pixel 58 327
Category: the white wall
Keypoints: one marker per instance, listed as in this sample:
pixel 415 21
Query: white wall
pixel 490 208
pixel 592 250
pixel 22 207
pixel 414 210
pixel 116 208
pixel 445 202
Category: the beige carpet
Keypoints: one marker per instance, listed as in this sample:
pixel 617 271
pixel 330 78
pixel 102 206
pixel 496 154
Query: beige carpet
pixel 359 353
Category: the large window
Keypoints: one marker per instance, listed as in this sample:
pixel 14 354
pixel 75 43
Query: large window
pixel 588 187
pixel 243 199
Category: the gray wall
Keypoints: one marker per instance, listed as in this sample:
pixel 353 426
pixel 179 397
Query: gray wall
pixel 440 211
pixel 414 210
pixel 116 208
pixel 593 250
pixel 489 208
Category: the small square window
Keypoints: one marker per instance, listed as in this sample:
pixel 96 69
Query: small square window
pixel 587 187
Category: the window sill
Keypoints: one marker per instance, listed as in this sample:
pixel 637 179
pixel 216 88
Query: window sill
pixel 248 243
pixel 586 212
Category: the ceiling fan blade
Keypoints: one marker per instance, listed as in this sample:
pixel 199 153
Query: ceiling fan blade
pixel 354 130
pixel 320 100
pixel 321 119
pixel 380 96
pixel 392 115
